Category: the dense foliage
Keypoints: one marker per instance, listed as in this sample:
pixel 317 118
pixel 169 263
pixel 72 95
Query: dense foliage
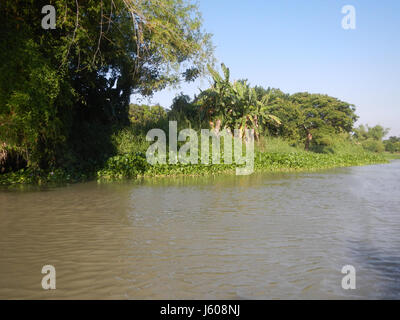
pixel 311 119
pixel 273 155
pixel 371 138
pixel 392 144
pixel 59 86
pixel 65 112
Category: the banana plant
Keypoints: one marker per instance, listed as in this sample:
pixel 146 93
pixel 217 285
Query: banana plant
pixel 234 105
pixel 214 102
pixel 263 107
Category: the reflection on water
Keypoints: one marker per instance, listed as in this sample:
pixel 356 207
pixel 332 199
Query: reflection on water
pixel 227 237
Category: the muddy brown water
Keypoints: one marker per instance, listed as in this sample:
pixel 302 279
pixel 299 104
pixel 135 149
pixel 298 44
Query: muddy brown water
pixel 264 236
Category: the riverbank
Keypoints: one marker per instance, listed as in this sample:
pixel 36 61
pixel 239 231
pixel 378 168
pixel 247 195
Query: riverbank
pixel 273 162
pixel 391 156
pixel 271 155
pixel 129 162
pixel 133 165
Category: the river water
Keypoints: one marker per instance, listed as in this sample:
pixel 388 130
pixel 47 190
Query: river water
pixel 264 236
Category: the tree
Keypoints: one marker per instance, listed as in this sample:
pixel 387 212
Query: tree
pixel 321 115
pixel 392 144
pixel 366 132
pixel 234 105
pixel 81 75
pixel 183 110
pixel 371 137
pixel 143 115
pixel 280 105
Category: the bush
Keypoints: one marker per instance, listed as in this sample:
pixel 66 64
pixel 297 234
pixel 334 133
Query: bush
pixel 124 166
pixel 128 141
pixel 372 145
pixel 392 144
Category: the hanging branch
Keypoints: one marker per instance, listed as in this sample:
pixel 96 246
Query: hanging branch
pixel 101 31
pixel 73 35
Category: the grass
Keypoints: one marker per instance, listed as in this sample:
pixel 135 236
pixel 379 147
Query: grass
pixel 277 145
pixel 391 156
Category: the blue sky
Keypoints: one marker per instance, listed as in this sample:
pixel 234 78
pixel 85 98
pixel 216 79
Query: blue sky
pixel 300 45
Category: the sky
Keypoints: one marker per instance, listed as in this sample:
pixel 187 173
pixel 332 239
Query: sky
pixel 298 46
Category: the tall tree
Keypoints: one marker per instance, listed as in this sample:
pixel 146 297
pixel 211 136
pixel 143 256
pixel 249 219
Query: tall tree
pixel 322 114
pixel 56 82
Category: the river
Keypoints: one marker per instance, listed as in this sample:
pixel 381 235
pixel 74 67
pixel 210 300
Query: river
pixel 264 236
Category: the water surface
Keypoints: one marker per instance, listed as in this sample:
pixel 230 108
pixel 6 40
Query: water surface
pixel 264 236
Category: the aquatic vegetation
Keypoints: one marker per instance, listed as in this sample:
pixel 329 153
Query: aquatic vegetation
pixel 124 166
pixel 271 154
pixel 37 176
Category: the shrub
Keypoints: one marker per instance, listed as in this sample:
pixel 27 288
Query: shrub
pixel 124 166
pixel 373 145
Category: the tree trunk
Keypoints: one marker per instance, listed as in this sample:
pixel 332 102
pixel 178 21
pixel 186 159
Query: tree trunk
pixel 218 125
pixel 3 157
pixel 308 140
pixel 256 128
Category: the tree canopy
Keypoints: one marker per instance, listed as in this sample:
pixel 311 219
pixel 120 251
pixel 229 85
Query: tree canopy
pixel 54 83
pixel 371 138
pixel 392 144
pixel 301 116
